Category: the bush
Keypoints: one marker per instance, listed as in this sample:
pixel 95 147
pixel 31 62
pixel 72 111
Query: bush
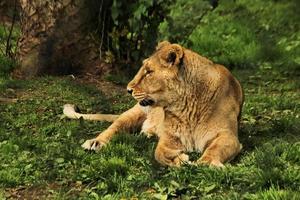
pixel 6 65
pixel 182 19
pixel 134 27
pixel 7 62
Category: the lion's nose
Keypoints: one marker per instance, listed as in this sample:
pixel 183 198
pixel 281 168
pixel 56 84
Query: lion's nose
pixel 130 91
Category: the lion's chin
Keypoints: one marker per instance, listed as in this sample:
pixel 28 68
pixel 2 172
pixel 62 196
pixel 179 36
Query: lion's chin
pixel 146 102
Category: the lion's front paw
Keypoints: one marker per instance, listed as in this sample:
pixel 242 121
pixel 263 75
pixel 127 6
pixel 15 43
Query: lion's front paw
pixel 148 134
pixel 93 145
pixel 182 159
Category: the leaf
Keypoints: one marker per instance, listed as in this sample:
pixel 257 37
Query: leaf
pixel 209 188
pixel 289 48
pixel 297 60
pixel 161 196
pixel 174 183
pixel 69 133
pixel 59 160
pixel 139 12
pixel 130 178
pixel 94 195
pixel 114 12
pixel 27 167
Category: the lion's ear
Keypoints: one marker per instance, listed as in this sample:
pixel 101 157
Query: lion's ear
pixel 162 44
pixel 175 54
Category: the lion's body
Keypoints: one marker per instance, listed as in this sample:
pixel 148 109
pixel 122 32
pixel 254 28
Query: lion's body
pixel 189 102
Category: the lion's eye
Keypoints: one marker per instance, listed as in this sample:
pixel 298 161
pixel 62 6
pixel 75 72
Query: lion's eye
pixel 148 72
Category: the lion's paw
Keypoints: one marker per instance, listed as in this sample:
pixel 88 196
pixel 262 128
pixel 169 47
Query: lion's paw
pixel 148 134
pixel 181 159
pixel 92 145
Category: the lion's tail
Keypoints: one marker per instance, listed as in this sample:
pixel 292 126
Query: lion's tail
pixel 69 111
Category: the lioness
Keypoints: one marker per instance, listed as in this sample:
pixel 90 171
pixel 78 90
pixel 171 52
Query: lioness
pixel 189 102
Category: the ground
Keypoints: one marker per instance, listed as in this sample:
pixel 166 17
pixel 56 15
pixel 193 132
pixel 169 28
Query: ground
pixel 41 155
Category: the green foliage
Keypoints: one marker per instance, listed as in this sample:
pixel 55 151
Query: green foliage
pixel 275 193
pixel 7 62
pixel 183 17
pixel 134 31
pixel 6 65
pixel 242 34
pixel 226 41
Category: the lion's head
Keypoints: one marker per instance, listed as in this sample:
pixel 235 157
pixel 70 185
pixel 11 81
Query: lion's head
pixel 155 82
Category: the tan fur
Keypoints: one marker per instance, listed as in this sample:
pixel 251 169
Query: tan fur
pixel 189 102
pixel 69 111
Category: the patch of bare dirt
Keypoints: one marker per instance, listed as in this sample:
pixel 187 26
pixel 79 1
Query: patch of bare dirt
pixel 48 191
pixel 108 88
pixel 30 193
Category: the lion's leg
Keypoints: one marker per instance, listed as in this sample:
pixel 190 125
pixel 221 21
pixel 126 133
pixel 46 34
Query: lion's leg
pixel 132 118
pixel 169 151
pixel 223 148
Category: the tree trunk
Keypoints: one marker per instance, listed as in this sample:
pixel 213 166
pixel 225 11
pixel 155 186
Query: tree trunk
pixel 56 36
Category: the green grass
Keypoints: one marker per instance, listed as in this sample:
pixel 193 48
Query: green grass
pixel 40 150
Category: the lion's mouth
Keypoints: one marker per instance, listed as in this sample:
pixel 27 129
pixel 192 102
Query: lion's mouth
pixel 146 102
pixel 143 98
